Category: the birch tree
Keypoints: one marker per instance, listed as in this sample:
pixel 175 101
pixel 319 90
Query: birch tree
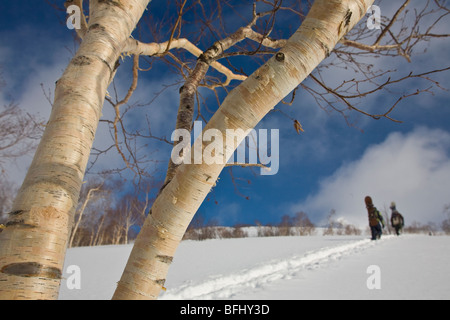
pixel 326 23
pixel 33 245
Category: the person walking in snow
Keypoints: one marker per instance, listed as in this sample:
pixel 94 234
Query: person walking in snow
pixel 397 221
pixel 376 221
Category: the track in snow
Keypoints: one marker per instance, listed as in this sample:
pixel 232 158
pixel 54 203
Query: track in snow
pixel 226 286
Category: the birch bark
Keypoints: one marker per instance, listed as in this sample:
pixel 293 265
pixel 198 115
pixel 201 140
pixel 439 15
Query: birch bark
pixel 33 245
pixel 327 22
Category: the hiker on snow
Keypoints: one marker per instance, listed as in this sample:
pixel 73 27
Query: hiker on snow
pixel 375 219
pixel 397 221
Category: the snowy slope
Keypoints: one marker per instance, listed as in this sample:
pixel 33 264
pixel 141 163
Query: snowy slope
pixel 314 267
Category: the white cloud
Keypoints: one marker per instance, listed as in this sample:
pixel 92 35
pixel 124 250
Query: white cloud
pixel 413 170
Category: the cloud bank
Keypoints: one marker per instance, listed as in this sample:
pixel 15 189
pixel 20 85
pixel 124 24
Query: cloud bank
pixel 411 169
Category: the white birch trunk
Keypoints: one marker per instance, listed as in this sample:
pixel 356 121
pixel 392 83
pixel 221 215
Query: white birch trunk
pixel 243 108
pixel 33 245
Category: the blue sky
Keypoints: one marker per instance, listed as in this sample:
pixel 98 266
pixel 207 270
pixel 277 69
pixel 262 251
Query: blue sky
pixel 330 166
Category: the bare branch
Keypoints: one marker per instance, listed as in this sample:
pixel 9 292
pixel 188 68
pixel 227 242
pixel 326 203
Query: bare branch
pixel 157 49
pixel 391 23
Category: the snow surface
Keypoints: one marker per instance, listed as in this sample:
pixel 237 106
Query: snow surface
pixel 273 268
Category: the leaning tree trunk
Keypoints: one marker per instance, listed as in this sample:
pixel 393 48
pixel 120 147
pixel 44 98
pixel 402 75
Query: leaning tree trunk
pixel 33 245
pixel 243 108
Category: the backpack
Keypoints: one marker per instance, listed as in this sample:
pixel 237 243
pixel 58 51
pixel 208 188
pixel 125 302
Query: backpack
pixel 396 219
pixel 374 217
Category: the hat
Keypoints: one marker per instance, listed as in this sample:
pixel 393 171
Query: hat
pixel 392 205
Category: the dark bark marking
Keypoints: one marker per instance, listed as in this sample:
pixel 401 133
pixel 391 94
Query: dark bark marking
pixel 326 48
pixel 279 57
pixel 82 61
pixel 97 26
pixel 16 212
pixel 20 223
pixel 160 282
pixel 164 259
pixel 348 17
pixel 112 3
pixel 32 269
pixel 204 58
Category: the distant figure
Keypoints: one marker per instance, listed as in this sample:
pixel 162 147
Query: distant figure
pixel 375 219
pixel 397 221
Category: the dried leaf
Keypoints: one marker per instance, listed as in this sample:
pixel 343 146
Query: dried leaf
pixel 298 127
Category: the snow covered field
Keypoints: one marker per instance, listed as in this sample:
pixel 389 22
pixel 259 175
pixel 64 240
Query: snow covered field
pixel 311 267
